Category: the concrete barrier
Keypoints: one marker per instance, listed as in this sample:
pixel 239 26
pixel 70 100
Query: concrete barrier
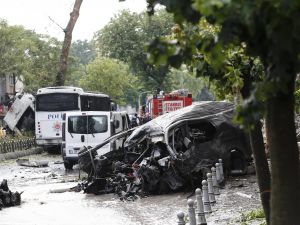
pixel 200 208
pixel 191 212
pixel 19 154
pixel 214 181
pixel 206 201
pixel 180 217
pixel 211 193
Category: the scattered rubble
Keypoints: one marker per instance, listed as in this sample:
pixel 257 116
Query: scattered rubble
pixel 243 195
pixel 154 209
pixel 170 153
pixel 7 197
pixel 27 163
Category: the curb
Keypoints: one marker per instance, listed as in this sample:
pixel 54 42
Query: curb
pixel 18 154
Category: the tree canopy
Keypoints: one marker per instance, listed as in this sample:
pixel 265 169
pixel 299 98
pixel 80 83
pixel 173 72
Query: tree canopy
pixel 125 37
pixel 28 55
pixel 109 76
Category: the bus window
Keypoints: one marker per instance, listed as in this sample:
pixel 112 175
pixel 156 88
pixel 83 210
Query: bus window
pixel 94 103
pixel 57 102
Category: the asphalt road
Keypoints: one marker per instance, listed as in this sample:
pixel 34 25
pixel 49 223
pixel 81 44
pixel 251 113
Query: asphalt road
pixel 42 207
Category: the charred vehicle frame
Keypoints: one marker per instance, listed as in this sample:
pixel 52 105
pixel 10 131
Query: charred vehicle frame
pixel 170 153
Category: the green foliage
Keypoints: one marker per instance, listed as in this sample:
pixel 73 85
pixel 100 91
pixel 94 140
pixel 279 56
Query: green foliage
pixel 12 48
pixel 268 29
pixel 83 51
pixel 219 44
pixel 31 57
pixel 34 58
pixel 197 47
pixel 184 79
pixel 257 214
pixel 184 9
pixel 111 77
pixel 297 95
pixel 81 54
pixel 125 37
pixel 42 61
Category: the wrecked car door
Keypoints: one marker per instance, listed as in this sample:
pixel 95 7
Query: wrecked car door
pixel 88 155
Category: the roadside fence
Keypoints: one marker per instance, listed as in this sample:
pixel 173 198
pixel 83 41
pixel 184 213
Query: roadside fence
pixel 16 145
pixel 205 198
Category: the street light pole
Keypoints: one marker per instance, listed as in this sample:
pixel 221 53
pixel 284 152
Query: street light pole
pixel 139 100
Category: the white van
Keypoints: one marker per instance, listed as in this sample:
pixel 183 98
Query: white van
pixel 88 129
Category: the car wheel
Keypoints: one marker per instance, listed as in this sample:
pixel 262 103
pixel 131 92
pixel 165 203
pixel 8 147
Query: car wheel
pixel 68 165
pixel 237 163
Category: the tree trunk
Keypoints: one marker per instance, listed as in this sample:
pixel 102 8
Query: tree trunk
pixel 259 154
pixel 267 131
pixel 285 194
pixel 262 168
pixel 63 64
pixel 14 81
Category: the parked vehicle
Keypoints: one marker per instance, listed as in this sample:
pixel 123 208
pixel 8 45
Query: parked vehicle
pixel 163 103
pixel 53 102
pixel 171 152
pixel 88 129
pixel 20 116
pixel 134 120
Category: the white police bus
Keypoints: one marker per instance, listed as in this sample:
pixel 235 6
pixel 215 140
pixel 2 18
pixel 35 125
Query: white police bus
pixel 52 102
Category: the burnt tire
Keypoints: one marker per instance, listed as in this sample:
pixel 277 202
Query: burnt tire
pixel 52 150
pixel 238 164
pixel 68 165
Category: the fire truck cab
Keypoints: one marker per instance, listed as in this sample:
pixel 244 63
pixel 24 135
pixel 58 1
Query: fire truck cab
pixel 161 103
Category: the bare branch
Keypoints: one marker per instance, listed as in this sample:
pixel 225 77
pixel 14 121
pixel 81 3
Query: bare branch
pixel 56 24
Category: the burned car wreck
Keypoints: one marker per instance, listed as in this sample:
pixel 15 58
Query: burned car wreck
pixel 172 152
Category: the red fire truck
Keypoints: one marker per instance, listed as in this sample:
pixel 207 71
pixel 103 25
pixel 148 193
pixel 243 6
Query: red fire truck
pixel 163 103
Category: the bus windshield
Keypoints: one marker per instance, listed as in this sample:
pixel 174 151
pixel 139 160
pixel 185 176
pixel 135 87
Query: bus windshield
pixel 87 124
pixel 57 102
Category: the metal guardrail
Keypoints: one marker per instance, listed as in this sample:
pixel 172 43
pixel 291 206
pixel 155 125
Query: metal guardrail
pixel 16 145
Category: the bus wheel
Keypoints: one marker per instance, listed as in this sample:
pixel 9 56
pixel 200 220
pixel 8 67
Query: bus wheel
pixel 68 165
pixel 52 150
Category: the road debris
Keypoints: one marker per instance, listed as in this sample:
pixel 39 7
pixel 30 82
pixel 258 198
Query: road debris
pixel 243 195
pixel 77 188
pixel 27 163
pixel 7 197
pixel 20 116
